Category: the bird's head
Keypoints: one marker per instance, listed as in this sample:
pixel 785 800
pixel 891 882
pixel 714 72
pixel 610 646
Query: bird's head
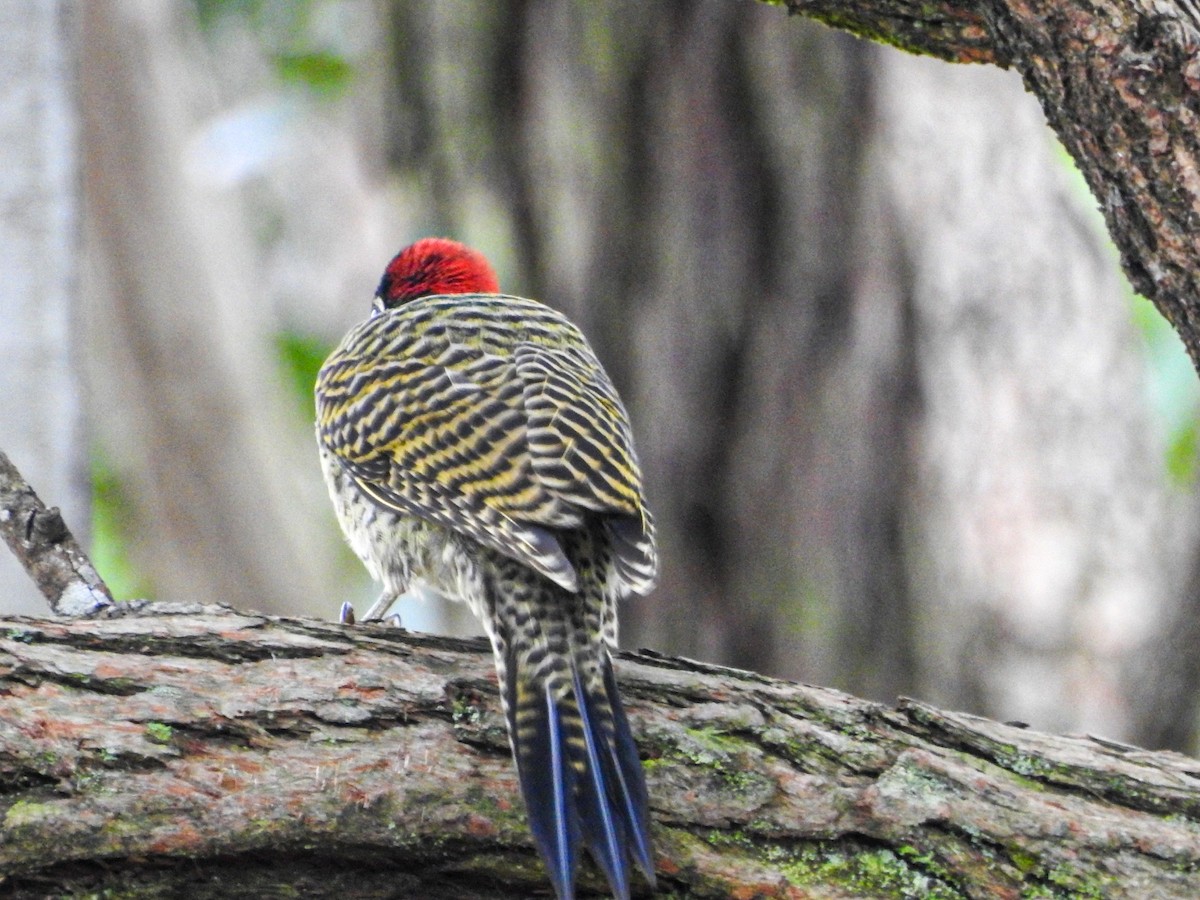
pixel 434 266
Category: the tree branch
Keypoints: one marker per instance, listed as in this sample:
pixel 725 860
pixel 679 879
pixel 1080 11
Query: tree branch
pixel 955 32
pixel 1119 82
pixel 46 548
pixel 209 747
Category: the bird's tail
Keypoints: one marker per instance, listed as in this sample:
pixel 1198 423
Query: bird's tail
pixel 578 766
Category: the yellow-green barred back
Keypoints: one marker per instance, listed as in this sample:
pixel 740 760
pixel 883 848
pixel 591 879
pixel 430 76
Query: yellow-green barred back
pixel 489 414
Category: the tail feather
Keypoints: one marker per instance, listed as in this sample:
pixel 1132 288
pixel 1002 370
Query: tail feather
pixel 539 742
pixel 603 830
pixel 631 780
pixel 580 776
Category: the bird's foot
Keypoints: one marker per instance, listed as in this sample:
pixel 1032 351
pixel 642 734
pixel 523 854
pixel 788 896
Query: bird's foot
pixel 346 614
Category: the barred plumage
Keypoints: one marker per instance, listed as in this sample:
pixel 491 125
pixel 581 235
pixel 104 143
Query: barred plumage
pixel 473 442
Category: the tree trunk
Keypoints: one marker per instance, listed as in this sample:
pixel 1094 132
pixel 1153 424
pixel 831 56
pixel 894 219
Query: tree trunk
pixel 194 413
pixel 1041 534
pixel 660 178
pixel 221 753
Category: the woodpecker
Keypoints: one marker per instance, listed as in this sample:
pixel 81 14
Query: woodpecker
pixel 473 443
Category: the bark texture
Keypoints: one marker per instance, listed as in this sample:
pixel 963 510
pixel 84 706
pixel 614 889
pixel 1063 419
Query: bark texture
pixel 235 754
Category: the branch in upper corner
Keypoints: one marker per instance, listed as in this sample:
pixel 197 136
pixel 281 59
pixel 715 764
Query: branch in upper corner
pixel 46 548
pixel 953 31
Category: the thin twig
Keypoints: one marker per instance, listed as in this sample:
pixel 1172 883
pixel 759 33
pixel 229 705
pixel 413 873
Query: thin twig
pixel 46 548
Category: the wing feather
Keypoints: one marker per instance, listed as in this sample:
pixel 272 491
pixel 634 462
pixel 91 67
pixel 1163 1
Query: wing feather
pixel 501 427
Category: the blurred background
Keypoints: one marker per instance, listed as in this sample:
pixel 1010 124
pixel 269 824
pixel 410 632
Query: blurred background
pixel 904 427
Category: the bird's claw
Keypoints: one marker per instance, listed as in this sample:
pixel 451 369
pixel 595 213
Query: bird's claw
pixel 346 616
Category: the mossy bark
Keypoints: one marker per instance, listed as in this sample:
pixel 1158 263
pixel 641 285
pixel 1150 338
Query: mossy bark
pixel 234 754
